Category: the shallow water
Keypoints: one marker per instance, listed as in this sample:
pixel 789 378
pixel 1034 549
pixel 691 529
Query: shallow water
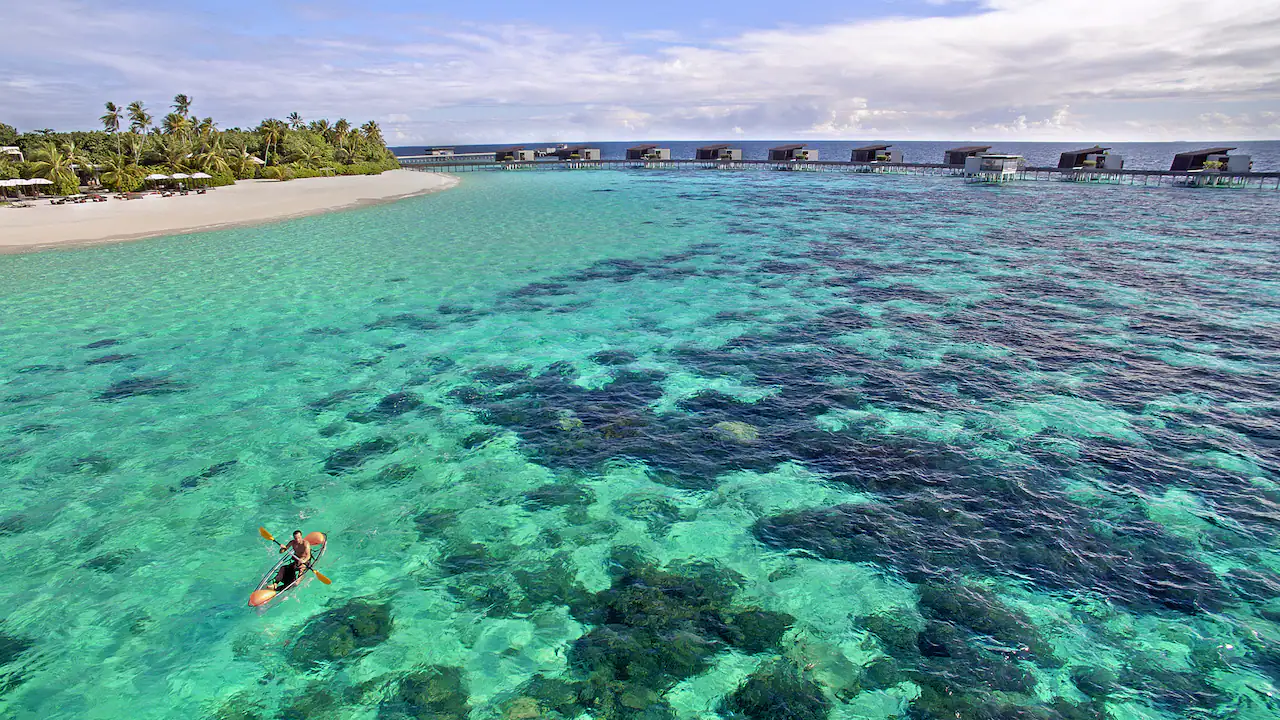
pixel 656 445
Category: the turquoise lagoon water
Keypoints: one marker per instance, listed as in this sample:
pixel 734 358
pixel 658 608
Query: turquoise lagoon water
pixel 619 445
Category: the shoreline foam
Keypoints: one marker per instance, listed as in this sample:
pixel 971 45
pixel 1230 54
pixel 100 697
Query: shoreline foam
pixel 249 202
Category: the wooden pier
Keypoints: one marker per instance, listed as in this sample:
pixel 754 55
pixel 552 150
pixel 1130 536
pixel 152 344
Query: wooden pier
pixel 1148 178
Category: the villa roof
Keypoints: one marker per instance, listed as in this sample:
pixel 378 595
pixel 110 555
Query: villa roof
pixel 784 148
pixel 1087 151
pixel 871 148
pixel 510 149
pixel 1205 151
pixel 646 146
pixel 970 149
pixel 718 146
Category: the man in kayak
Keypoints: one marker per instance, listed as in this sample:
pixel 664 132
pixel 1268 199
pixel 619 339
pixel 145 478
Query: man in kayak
pixel 301 550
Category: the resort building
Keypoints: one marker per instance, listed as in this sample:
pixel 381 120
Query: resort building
pixel 514 154
pixel 578 152
pixel 875 153
pixel 957 157
pixel 791 153
pixel 648 152
pixel 992 167
pixel 1211 159
pixel 12 152
pixel 1092 158
pixel 718 152
pixel 438 151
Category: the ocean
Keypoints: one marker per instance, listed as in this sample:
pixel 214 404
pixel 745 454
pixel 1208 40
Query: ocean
pixel 1137 156
pixel 649 445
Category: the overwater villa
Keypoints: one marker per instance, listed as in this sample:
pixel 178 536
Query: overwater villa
pixel 791 153
pixel 514 154
pixel 1092 158
pixel 1213 160
pixel 648 152
pixel 578 152
pixel 958 156
pixel 721 151
pixel 993 167
pixel 875 153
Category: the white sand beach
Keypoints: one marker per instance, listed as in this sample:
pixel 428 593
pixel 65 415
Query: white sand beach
pixel 43 226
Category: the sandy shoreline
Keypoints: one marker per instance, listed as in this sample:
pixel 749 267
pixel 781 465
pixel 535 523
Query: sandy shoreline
pixel 248 202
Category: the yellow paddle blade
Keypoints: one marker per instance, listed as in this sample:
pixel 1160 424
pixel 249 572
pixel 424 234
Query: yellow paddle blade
pixel 323 579
pixel 263 532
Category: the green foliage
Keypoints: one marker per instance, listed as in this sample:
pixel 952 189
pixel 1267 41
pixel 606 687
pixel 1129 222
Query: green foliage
pixel 221 179
pixel 65 186
pixel 282 173
pixel 368 168
pixel 186 143
pixel 122 176
pixel 8 170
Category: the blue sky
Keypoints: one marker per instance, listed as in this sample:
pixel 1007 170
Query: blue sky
pixel 498 71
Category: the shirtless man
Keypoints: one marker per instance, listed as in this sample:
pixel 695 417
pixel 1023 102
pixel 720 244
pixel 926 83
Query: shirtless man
pixel 301 550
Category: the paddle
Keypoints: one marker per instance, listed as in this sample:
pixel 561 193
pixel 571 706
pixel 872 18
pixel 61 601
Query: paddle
pixel 263 532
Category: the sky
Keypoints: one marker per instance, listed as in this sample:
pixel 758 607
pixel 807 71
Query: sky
pixel 488 71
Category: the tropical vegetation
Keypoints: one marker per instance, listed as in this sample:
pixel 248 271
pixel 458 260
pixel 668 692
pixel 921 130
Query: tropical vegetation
pixel 133 144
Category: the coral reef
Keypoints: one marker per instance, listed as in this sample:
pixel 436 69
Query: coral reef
pixel 777 692
pixel 342 633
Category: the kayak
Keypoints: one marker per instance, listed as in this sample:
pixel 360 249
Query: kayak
pixel 263 597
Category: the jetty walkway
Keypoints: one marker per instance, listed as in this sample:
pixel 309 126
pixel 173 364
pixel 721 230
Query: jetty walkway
pixel 1151 178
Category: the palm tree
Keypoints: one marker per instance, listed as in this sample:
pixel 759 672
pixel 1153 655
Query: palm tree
pixel 372 133
pixel 346 151
pixel 78 159
pixel 111 122
pixel 272 132
pixel 237 158
pixel 211 156
pixel 306 155
pixel 321 126
pixel 134 144
pixel 111 118
pixel 341 129
pixel 295 121
pixel 176 124
pixel 207 127
pixel 52 164
pixel 176 152
pixel 181 104
pixel 119 171
pixel 139 118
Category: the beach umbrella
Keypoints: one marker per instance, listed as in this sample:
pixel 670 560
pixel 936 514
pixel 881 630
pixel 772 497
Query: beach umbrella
pixel 39 181
pixel 201 176
pixel 179 176
pixel 157 176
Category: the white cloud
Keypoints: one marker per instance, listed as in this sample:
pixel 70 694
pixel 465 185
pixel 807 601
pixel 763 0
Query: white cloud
pixel 1032 69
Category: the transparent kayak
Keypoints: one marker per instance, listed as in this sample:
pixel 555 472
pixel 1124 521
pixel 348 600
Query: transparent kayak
pixel 263 598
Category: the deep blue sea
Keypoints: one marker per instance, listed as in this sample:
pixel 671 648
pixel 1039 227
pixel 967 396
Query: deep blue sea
pixel 656 446
pixel 1138 156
